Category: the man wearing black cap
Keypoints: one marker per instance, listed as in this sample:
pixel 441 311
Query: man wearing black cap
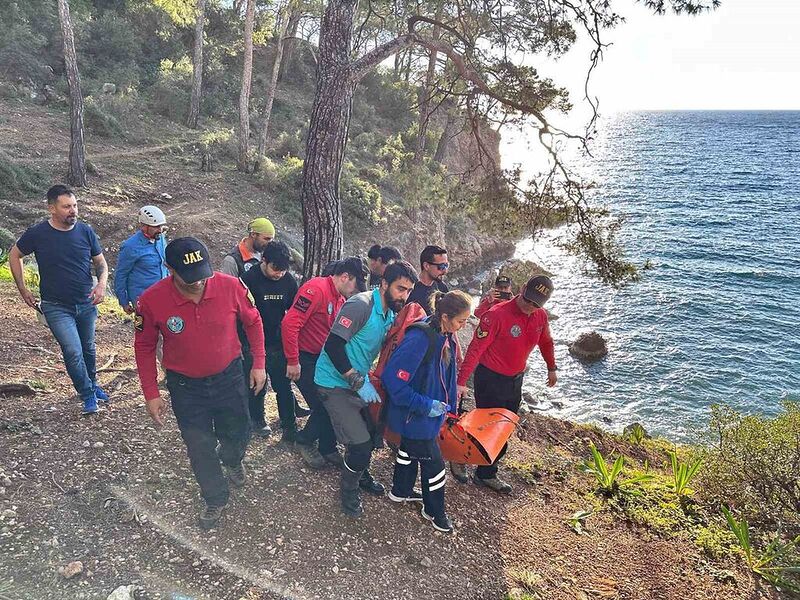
pixel 196 311
pixel 303 332
pixel 499 293
pixel 498 353
pixel 274 288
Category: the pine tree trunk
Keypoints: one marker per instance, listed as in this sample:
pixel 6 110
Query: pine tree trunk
pixel 77 148
pixel 426 92
pixel 273 84
pixel 291 40
pixel 327 137
pixel 197 74
pixel 242 162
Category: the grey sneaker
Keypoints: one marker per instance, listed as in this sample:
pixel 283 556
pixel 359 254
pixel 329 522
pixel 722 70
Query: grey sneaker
pixel 495 483
pixel 459 471
pixel 311 456
pixel 441 523
pixel 210 516
pixel 237 475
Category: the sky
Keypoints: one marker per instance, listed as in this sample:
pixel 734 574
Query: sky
pixel 743 56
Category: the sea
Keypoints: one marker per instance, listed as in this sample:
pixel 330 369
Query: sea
pixel 712 200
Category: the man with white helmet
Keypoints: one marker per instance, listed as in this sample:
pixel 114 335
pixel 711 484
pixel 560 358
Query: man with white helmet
pixel 141 258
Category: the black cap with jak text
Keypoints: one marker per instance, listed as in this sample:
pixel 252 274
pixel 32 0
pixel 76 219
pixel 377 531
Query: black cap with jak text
pixel 189 258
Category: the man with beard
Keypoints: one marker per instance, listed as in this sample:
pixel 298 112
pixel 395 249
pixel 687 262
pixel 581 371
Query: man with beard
pixel 342 378
pixel 434 266
pixel 247 253
pixel 66 250
pixel 140 263
pixel 196 312
pixel 244 256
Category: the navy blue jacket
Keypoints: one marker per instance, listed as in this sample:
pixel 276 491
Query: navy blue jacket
pixel 412 386
pixel 140 264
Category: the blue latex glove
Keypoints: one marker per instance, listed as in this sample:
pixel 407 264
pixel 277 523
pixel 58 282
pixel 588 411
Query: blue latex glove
pixel 368 393
pixel 437 409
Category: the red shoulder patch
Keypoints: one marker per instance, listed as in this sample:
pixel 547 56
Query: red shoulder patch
pixel 345 322
pixel 404 375
pixel 302 304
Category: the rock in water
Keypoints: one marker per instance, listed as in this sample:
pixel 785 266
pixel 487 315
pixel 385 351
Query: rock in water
pixel 590 347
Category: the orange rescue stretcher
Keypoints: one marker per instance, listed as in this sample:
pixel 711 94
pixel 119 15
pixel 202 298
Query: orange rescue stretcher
pixel 477 436
pixel 474 438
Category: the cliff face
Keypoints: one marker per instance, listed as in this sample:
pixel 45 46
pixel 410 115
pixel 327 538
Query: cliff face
pixel 469 250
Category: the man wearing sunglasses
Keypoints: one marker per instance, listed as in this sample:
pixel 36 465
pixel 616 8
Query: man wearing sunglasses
pixel 433 266
pixel 498 354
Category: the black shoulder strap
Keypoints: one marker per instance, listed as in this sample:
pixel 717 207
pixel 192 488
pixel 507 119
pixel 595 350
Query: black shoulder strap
pixel 431 333
pixel 237 256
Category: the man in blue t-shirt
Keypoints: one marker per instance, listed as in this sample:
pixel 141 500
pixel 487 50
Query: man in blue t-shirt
pixel 65 252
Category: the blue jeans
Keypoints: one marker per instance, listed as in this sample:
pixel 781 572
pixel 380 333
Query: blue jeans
pixel 73 327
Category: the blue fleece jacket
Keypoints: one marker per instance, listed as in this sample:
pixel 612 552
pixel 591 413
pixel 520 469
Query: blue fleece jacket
pixel 140 264
pixel 412 386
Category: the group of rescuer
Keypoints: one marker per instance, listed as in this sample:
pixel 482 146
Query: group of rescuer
pixel 222 337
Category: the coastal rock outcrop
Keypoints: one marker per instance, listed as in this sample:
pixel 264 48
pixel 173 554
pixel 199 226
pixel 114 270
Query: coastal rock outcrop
pixel 589 347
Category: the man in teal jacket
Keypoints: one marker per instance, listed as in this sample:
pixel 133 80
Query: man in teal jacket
pixel 141 258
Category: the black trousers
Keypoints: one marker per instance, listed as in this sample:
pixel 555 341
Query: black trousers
pixel 208 410
pixel 255 402
pixel 493 390
pixel 276 369
pixel 425 456
pixel 318 427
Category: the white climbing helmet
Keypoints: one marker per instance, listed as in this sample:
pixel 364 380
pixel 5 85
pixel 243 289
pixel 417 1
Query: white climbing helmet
pixel 152 215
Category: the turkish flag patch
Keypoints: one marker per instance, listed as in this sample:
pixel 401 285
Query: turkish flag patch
pixel 345 322
pixel 404 375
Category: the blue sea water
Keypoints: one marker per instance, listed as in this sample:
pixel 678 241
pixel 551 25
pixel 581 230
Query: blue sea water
pixel 712 198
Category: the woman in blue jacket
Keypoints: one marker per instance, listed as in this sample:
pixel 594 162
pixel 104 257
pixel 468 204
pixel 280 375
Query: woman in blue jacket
pixel 420 381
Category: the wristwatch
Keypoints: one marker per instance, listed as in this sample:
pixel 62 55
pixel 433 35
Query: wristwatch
pixel 355 380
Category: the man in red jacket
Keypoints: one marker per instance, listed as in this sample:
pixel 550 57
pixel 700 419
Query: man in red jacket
pixel 498 353
pixel 196 311
pixel 303 332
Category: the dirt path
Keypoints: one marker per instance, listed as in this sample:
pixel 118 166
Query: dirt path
pixel 118 495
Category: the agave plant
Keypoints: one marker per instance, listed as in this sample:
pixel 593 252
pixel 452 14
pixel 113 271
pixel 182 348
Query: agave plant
pixel 608 478
pixel 682 474
pixel 769 564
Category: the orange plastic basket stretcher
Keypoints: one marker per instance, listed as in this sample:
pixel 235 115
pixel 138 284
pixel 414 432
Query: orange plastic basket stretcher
pixel 477 436
pixel 474 438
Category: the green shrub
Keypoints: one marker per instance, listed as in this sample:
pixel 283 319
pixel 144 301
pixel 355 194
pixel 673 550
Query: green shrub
pixel 170 94
pixel 99 122
pixel 777 563
pixel 682 474
pixel 19 180
pixel 361 200
pixel 608 477
pixel 753 463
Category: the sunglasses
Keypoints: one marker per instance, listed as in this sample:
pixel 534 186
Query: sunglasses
pixel 441 266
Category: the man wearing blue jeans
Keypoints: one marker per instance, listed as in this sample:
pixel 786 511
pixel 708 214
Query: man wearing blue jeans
pixel 65 251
